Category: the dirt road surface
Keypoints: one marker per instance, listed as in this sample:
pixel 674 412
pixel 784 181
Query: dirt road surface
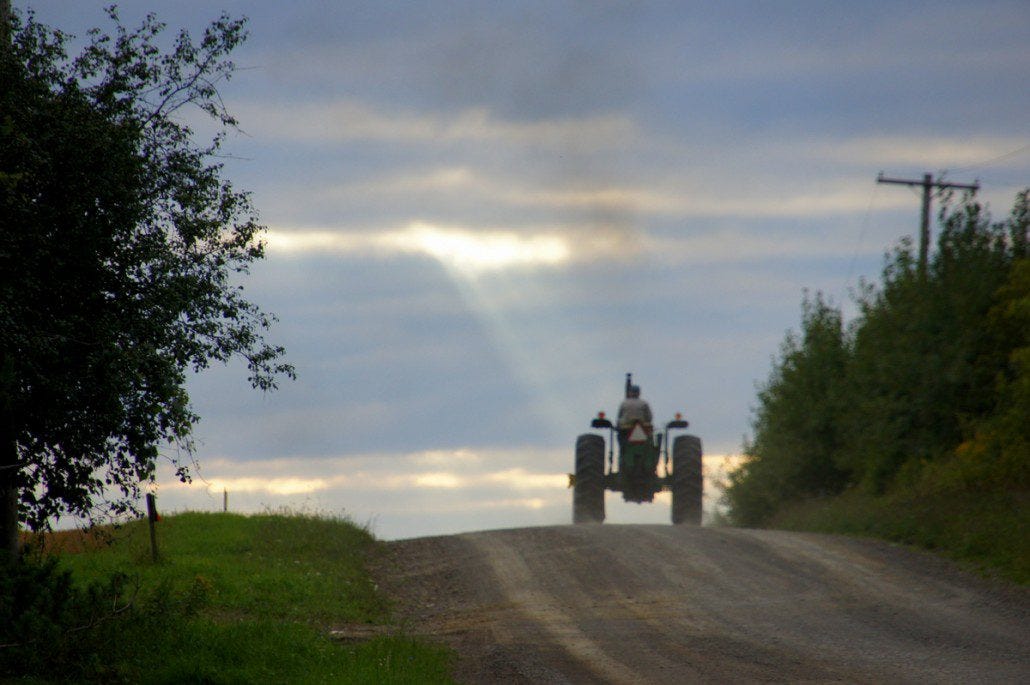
pixel 680 604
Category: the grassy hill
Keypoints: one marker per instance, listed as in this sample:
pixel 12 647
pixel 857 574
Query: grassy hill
pixel 233 599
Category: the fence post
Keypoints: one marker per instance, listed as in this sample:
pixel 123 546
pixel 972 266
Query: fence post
pixel 225 500
pixel 152 518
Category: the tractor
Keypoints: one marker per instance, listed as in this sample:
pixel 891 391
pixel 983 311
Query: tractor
pixel 641 451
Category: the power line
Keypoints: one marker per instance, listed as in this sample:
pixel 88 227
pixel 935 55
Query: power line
pixel 861 238
pixel 993 160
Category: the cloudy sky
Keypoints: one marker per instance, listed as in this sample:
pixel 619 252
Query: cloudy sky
pixel 481 215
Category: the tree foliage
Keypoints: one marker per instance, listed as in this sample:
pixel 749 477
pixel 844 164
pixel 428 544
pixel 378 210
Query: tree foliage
pixel 999 449
pixel 796 429
pixel 932 371
pixel 120 251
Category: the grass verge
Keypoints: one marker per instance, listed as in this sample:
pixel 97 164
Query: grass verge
pixel 986 531
pixel 236 599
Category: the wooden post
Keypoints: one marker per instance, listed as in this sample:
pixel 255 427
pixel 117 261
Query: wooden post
pixel 225 500
pixel 152 518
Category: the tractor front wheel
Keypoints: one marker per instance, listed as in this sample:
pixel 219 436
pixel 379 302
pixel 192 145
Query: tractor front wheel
pixel 588 490
pixel 687 482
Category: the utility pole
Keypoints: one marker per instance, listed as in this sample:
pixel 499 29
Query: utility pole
pixel 928 185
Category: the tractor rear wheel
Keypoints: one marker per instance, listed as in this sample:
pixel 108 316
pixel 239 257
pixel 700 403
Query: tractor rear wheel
pixel 588 491
pixel 687 483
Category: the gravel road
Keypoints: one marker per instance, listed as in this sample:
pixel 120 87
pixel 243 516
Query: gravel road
pixel 680 604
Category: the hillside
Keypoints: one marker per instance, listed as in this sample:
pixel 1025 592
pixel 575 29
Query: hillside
pixel 269 598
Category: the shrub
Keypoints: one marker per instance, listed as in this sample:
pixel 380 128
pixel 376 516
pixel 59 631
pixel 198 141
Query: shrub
pixel 54 628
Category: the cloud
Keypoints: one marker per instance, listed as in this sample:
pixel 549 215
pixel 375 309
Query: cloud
pixel 273 486
pixel 483 252
pixel 411 493
pixel 661 194
pixel 345 121
pixel 479 251
pixel 938 152
pixel 430 469
pixel 474 251
pixel 880 42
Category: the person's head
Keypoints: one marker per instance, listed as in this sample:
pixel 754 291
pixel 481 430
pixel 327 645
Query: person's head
pixel 634 391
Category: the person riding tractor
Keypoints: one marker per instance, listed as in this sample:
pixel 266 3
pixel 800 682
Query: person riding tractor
pixel 632 411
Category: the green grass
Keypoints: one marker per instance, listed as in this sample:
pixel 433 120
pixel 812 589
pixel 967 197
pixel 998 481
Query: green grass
pixel 269 566
pixel 237 599
pixel 988 531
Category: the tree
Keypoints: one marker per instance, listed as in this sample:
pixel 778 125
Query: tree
pixel 120 250
pixel 928 385
pixel 797 422
pixel 925 360
pixel 998 450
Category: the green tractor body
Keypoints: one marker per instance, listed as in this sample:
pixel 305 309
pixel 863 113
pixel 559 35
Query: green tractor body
pixel 639 475
pixel 639 455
